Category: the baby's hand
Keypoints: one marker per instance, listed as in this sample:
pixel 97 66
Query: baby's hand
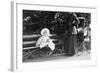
pixel 47 40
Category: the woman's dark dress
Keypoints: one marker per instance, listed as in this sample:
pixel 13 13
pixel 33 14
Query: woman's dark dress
pixel 69 44
pixel 69 38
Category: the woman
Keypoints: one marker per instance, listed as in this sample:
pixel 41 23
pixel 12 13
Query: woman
pixel 45 43
pixel 70 40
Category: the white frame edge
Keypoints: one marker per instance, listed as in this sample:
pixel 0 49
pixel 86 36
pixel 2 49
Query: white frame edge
pixel 13 37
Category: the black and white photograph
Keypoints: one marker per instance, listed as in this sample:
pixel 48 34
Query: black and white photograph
pixel 55 35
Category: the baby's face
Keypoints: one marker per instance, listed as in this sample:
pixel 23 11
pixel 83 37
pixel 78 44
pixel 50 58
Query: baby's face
pixel 45 33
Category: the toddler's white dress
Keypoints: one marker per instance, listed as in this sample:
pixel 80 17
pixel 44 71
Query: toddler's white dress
pixel 44 41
